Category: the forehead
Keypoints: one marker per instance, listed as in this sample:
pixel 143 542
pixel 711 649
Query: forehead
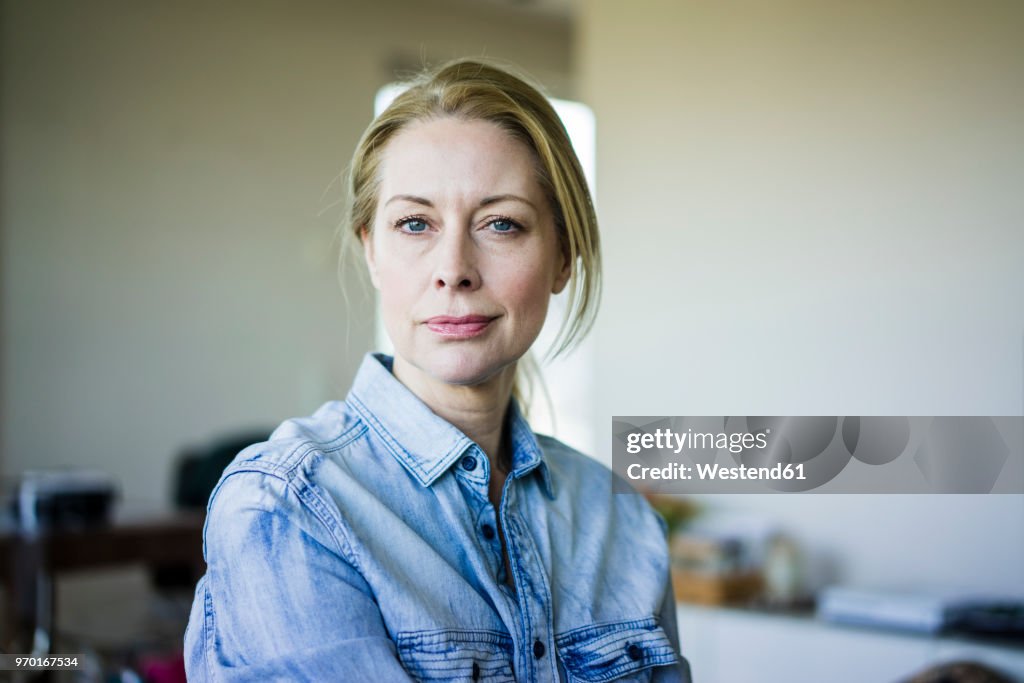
pixel 452 158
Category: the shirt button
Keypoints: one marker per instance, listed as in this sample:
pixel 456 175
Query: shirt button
pixel 476 671
pixel 469 463
pixel 538 649
pixel 488 531
pixel 634 651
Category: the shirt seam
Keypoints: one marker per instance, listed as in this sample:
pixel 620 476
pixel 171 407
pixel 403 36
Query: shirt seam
pixel 209 626
pixel 293 458
pixel 607 627
pixel 312 501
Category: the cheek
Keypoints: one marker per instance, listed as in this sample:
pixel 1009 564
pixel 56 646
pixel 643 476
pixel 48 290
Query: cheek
pixel 528 293
pixel 394 289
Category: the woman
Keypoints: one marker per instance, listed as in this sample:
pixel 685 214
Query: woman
pixel 419 530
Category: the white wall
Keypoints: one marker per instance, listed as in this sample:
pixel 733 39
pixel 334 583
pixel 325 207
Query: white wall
pixel 815 208
pixel 166 275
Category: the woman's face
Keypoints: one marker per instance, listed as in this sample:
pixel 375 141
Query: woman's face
pixel 463 249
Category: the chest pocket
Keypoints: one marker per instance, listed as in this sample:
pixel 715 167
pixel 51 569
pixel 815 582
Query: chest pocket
pixel 454 655
pixel 620 651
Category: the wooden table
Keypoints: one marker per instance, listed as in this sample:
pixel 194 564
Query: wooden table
pixel 29 565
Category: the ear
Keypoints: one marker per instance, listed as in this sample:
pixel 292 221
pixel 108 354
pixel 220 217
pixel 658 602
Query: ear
pixel 562 277
pixel 371 260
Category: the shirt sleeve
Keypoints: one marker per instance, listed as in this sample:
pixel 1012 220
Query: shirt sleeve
pixel 680 673
pixel 280 601
pixel 667 618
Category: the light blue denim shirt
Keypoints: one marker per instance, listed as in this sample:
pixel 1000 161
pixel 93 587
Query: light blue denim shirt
pixel 359 544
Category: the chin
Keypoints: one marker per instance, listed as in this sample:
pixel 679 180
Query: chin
pixel 465 367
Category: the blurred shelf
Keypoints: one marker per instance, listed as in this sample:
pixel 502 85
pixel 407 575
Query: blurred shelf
pixel 806 613
pixel 737 644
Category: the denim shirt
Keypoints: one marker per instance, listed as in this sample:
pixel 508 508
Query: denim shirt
pixel 359 544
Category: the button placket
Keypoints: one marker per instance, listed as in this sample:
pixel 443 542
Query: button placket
pixel 474 467
pixel 472 472
pixel 534 595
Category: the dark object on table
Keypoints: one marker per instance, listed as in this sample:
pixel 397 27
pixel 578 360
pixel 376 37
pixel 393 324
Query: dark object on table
pixel 62 499
pixel 197 474
pixel 200 468
pixel 1004 619
pixel 960 672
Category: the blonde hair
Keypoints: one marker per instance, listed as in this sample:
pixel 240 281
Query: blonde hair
pixel 474 89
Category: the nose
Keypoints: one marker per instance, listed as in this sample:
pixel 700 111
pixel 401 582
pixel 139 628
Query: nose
pixel 456 265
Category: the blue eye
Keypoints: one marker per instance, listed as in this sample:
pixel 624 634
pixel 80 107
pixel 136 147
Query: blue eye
pixel 504 225
pixel 412 225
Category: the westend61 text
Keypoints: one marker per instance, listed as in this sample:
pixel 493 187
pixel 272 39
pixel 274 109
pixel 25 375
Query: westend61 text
pixel 778 472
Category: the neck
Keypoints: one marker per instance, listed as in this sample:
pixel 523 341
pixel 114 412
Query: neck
pixel 477 410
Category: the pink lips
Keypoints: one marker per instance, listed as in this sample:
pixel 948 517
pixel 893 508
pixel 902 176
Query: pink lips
pixel 459 328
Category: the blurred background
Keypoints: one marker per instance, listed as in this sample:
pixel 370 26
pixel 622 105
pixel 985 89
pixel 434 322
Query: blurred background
pixel 807 207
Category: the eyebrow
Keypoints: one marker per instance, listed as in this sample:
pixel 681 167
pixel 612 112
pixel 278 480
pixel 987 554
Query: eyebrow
pixel 494 199
pixel 486 201
pixel 410 198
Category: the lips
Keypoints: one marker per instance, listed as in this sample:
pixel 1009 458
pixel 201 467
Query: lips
pixel 462 327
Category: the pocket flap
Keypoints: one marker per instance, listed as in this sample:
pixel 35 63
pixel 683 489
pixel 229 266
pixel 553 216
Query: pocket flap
pixel 604 652
pixel 456 655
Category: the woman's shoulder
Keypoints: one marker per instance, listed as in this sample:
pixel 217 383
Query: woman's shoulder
pixel 279 475
pixel 298 440
pixel 277 478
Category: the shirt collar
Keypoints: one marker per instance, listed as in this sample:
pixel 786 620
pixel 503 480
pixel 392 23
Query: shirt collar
pixel 423 442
